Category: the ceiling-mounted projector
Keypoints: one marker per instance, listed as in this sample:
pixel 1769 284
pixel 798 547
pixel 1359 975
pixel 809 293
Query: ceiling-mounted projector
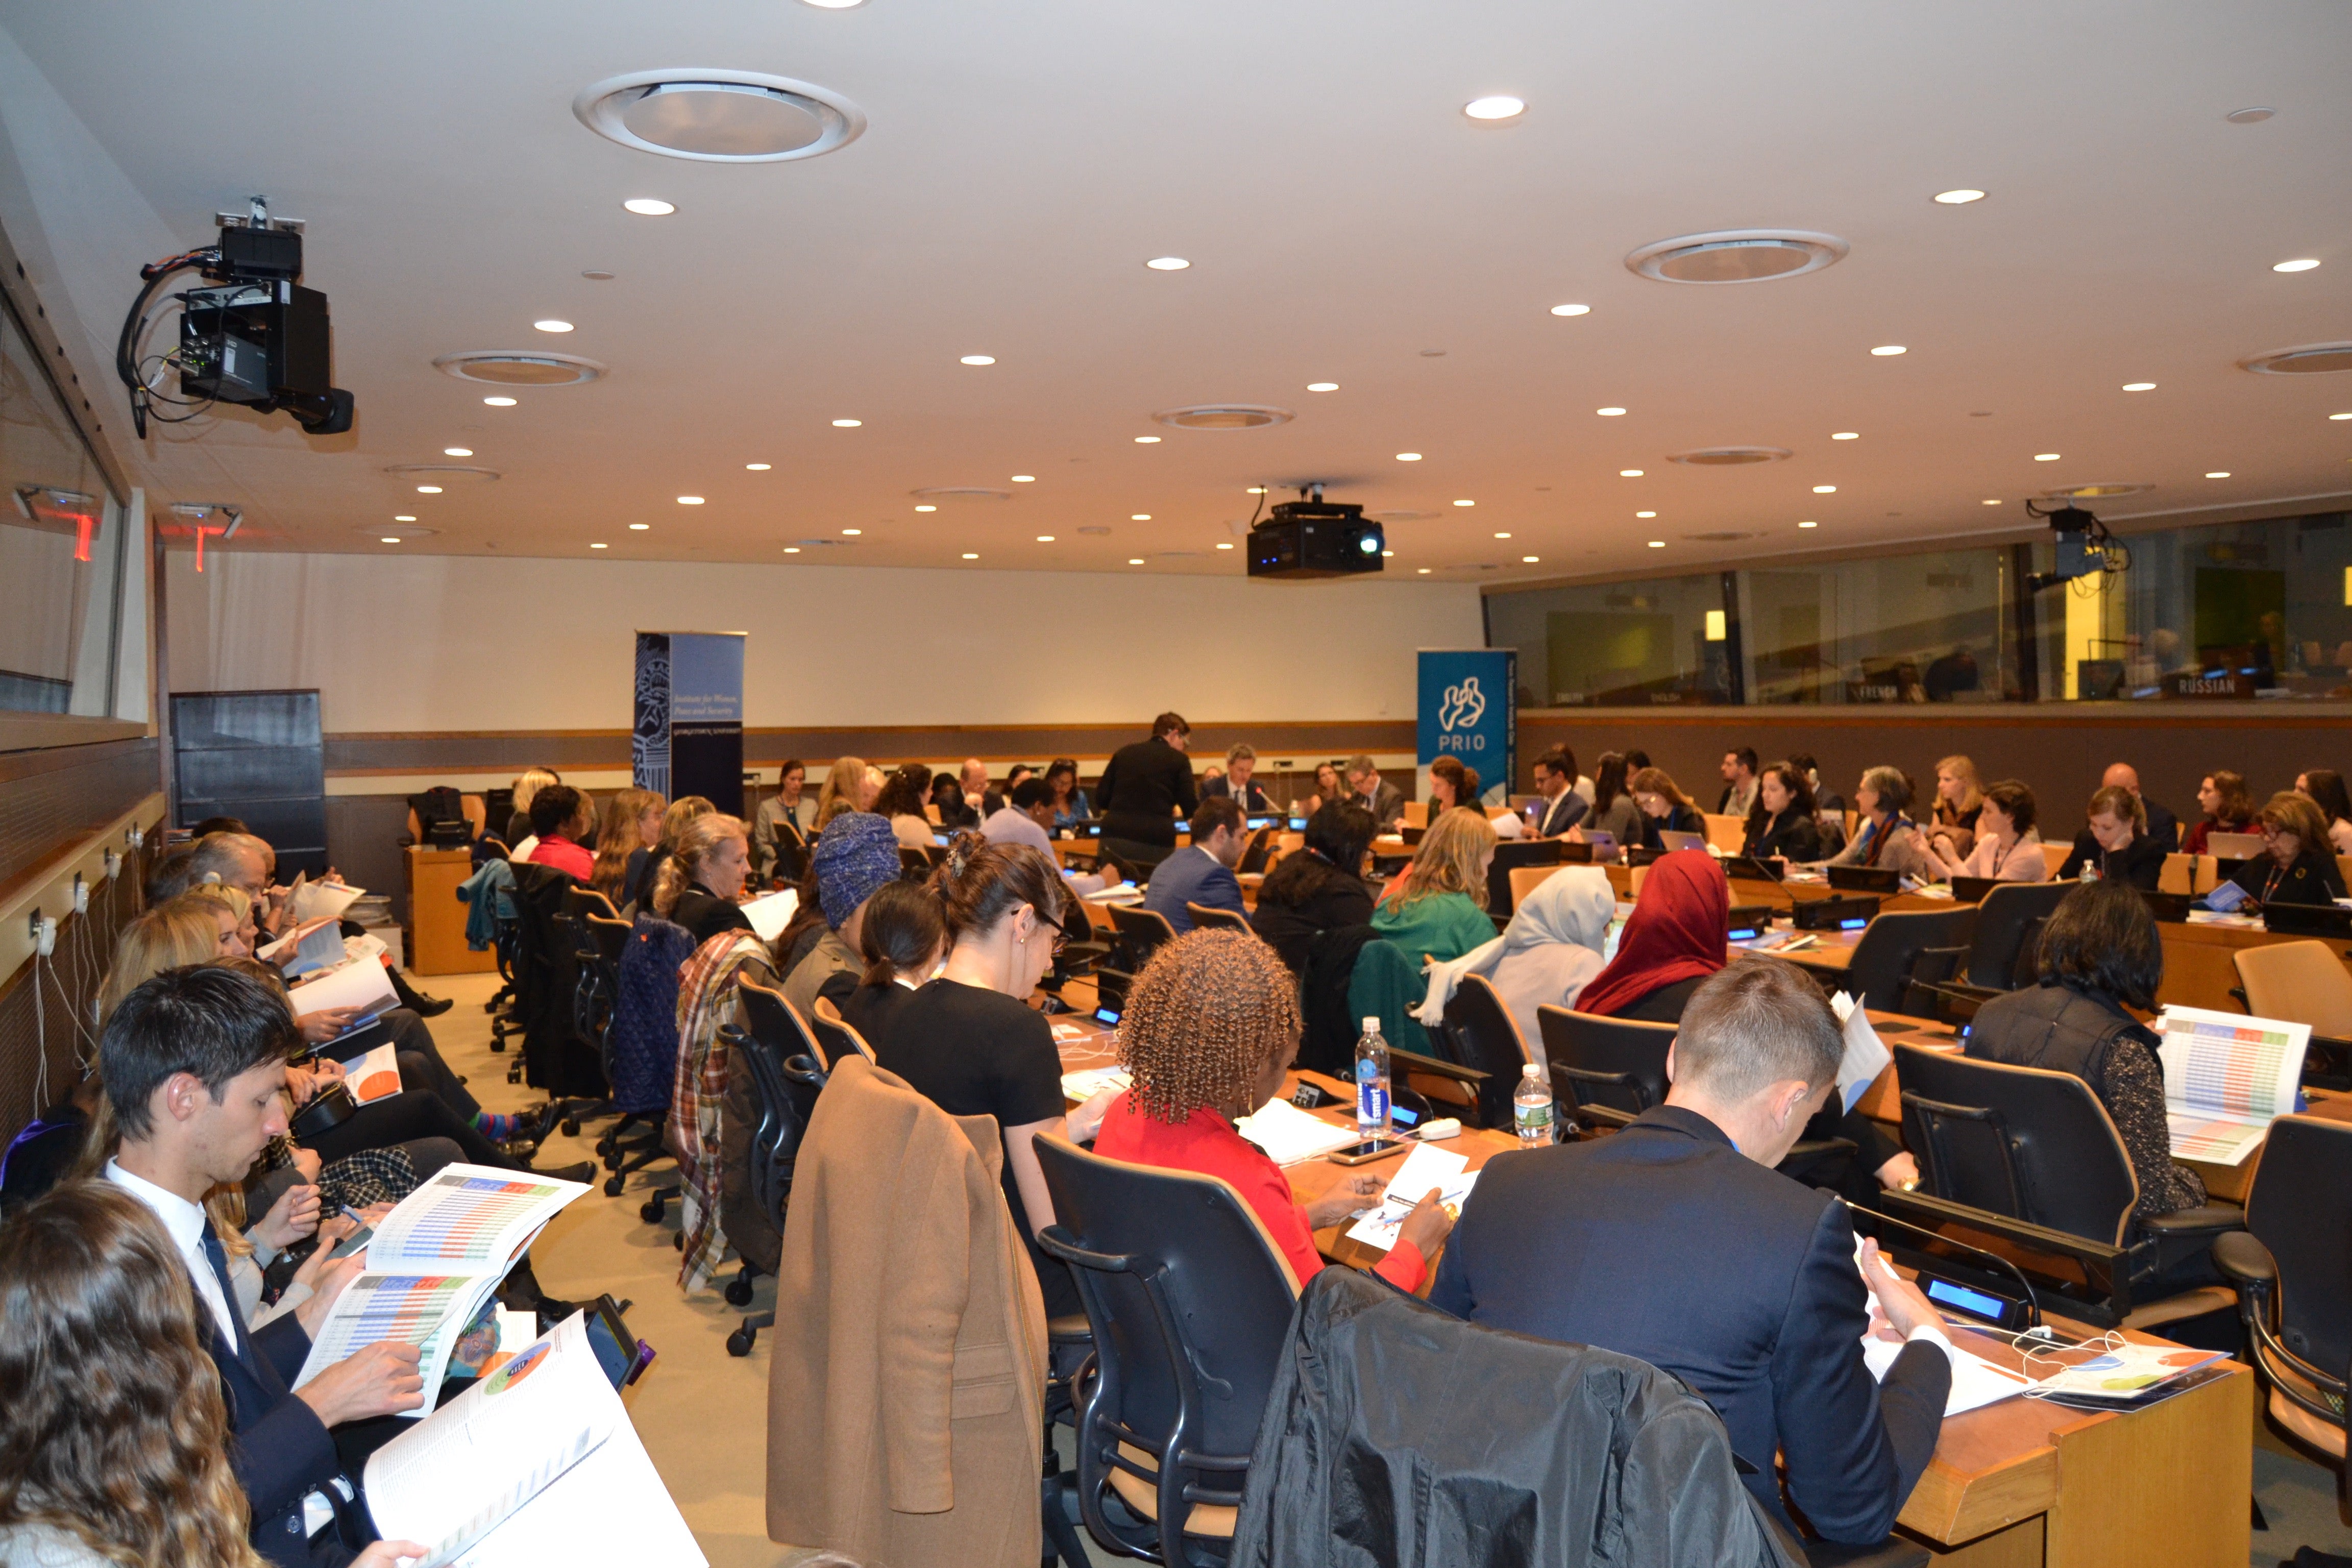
pixel 1315 538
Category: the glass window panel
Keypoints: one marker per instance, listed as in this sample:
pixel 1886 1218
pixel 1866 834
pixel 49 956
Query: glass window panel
pixel 59 548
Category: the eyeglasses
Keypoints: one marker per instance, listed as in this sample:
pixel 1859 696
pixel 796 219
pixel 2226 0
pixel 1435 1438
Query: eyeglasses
pixel 1061 932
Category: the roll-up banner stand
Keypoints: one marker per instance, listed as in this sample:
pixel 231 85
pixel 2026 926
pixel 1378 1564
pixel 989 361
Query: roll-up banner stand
pixel 1469 710
pixel 688 737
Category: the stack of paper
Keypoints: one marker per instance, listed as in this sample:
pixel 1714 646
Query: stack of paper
pixel 2225 1079
pixel 1289 1135
pixel 770 915
pixel 1426 1167
pixel 1866 1055
pixel 1091 1081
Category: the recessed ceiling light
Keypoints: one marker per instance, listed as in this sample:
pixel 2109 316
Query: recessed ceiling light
pixel 1135 560
pixel 1609 413
pixel 1992 501
pixel 1388 554
pixel 1959 198
pixel 756 467
pixel 1138 517
pixel 1645 514
pixel 971 555
pixel 1502 536
pixel 639 527
pixel 2340 417
pixel 1466 503
pixel 689 500
pixel 428 490
pixel 599 547
pixel 835 4
pixel 979 359
pixel 1500 106
pixel 1408 457
pixel 1571 309
pixel 1889 351
pixel 649 206
pixel 1825 489
pixel 1322 386
pixel 1846 434
pixel 1146 440
pixel 1168 264
pixel 392 539
pixel 1628 473
pixel 2219 474
pixel 926 507
pixel 1260 490
pixel 457 451
pixel 1530 560
pixel 552 325
pixel 500 402
pixel 2140 386
pixel 1025 478
pixel 1658 544
pixel 2301 264
pixel 847 424
pixel 1809 523
pixel 2249 116
pixel 1423 571
pixel 1045 539
pixel 1224 546
pixel 792 550
pixel 2045 457
pixel 851 532
pixel 402 517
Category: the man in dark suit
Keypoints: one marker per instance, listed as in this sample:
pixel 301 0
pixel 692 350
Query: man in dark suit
pixel 1202 872
pixel 1374 793
pixel 1676 1242
pixel 1241 761
pixel 193 1062
pixel 2162 826
pixel 1143 786
pixel 1562 807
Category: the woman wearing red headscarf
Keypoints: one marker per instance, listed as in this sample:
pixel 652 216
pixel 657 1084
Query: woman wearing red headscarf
pixel 1673 941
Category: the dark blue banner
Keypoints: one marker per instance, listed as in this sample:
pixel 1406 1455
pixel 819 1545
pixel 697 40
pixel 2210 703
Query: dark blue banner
pixel 688 734
pixel 1469 710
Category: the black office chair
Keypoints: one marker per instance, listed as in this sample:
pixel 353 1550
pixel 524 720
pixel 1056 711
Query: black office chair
pixel 2010 914
pixel 784 1089
pixel 2292 1270
pixel 1882 958
pixel 624 1156
pixel 1512 853
pixel 836 1037
pixel 1189 1301
pixel 1140 931
pixel 1261 845
pixel 913 864
pixel 1218 920
pixel 1478 1031
pixel 1605 1071
pixel 2031 1157
pixel 555 1055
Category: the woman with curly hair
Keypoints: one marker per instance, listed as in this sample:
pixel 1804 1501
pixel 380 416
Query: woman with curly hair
pixel 1211 1027
pixel 113 1436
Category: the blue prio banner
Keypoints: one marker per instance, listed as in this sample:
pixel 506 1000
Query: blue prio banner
pixel 1469 711
pixel 688 733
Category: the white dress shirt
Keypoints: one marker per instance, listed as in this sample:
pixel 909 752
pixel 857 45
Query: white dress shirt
pixel 184 1222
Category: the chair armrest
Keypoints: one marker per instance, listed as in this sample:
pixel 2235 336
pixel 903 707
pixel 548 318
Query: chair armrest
pixel 2244 1260
pixel 1819 1148
pixel 2205 1219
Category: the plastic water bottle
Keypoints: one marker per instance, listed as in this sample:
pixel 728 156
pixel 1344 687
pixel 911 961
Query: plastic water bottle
pixel 1371 1081
pixel 1531 1108
pixel 2090 871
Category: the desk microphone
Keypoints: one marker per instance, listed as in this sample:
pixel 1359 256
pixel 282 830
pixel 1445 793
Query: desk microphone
pixel 2032 1303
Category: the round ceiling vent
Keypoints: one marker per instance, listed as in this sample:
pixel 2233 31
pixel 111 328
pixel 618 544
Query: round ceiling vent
pixel 936 493
pixel 517 367
pixel 1728 456
pixel 2096 492
pixel 1224 416
pixel 1737 256
pixel 1724 536
pixel 442 473
pixel 825 543
pixel 2311 359
pixel 719 116
pixel 393 531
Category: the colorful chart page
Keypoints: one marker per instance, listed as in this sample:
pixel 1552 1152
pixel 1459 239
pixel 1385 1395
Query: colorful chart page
pixel 2226 1076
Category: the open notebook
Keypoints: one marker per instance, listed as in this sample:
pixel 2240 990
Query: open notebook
pixel 2226 1078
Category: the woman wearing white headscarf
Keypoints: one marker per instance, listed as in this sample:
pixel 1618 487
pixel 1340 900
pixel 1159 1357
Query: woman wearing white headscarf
pixel 1551 948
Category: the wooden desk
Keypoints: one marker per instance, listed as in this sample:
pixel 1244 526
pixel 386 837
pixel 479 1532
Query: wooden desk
pixel 436 920
pixel 2200 967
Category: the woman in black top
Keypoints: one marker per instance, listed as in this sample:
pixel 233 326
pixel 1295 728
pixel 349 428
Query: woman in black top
pixel 1665 807
pixel 970 1043
pixel 1782 827
pixel 902 934
pixel 1320 889
pixel 703 878
pixel 2300 867
pixel 2115 844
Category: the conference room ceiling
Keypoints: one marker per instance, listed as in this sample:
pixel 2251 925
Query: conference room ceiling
pixel 1345 221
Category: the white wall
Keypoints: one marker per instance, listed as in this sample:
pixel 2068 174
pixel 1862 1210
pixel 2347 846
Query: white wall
pixel 438 642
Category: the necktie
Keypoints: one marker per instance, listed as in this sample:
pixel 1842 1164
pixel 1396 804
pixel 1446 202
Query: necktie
pixel 234 1331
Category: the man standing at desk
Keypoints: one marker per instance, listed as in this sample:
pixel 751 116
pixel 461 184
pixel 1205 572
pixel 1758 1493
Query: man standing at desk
pixel 1143 786
pixel 1675 1241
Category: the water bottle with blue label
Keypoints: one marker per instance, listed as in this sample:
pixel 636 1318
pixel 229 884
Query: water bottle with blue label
pixel 1373 1081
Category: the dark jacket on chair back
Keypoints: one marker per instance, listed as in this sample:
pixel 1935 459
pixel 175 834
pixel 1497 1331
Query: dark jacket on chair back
pixel 1367 1453
pixel 2059 1029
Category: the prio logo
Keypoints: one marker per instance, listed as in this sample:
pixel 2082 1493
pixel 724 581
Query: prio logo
pixel 1465 705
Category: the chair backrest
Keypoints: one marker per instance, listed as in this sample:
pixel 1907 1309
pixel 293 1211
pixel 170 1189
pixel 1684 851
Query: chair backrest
pixel 1485 1036
pixel 1253 856
pixel 1218 920
pixel 2178 875
pixel 2001 921
pixel 836 1037
pixel 2021 1142
pixel 1416 815
pixel 783 1093
pixel 1190 1301
pixel 1728 834
pixel 643 1057
pixel 1884 956
pixel 2301 1208
pixel 1143 929
pixel 778 1025
pixel 2054 856
pixel 913 862
pixel 2301 982
pixel 1525 879
pixel 1513 855
pixel 1605 1070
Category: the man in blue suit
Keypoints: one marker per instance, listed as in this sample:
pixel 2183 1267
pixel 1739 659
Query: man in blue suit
pixel 1202 872
pixel 195 1061
pixel 1675 1241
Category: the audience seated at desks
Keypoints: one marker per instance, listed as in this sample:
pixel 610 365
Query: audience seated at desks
pixel 1545 956
pixel 1321 887
pixel 855 856
pixel 903 795
pixel 2115 842
pixel 2228 805
pixel 1675 1241
pixel 630 825
pixel 1235 783
pixel 1452 784
pixel 1740 781
pixel 1211 1029
pixel 1143 788
pixel 1614 810
pixel 981 799
pixel 902 936
pixel 1070 803
pixel 114 1423
pixel 848 787
pixel 1374 793
pixel 646 863
pixel 2007 848
pixel 2298 866
pixel 1952 820
pixel 1664 809
pixel 1027 819
pixel 1781 828
pixel 701 884
pixel 1675 938
pixel 1886 835
pixel 1203 871
pixel 1561 808
pixel 516 829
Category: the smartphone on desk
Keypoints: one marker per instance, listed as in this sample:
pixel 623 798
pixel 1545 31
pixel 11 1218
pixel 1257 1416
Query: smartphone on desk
pixel 1365 1152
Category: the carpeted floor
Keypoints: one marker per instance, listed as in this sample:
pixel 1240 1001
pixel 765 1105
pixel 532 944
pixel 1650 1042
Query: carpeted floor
pixel 703 1413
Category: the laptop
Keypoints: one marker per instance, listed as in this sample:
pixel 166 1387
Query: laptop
pixel 2233 846
pixel 1673 840
pixel 1865 879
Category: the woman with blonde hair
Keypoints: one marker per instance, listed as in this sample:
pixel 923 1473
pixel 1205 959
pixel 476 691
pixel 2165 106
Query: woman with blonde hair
pixel 630 824
pixel 701 883
pixel 645 864
pixel 1438 909
pixel 526 784
pixel 1958 801
pixel 843 790
pixel 114 1439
